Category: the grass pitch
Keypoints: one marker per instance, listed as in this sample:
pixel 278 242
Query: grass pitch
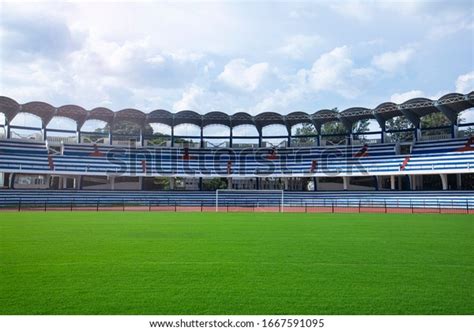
pixel 206 263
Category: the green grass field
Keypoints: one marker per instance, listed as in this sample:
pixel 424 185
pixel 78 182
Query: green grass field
pixel 236 263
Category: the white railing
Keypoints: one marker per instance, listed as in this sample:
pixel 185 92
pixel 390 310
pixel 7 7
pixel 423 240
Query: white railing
pixel 442 136
pixel 189 145
pixel 88 140
pixel 32 136
pixel 304 143
pixel 366 141
pixel 244 145
pixel 60 140
pixel 327 142
pixel 125 142
pixel 164 143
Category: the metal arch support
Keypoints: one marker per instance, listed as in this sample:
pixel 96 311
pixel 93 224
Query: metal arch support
pixel 317 125
pixel 414 119
pixel 47 120
pixel 347 124
pixel 13 115
pixel 382 122
pixel 468 98
pixel 449 113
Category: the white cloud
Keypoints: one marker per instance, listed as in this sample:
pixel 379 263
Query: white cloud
pixel 358 10
pixel 392 61
pixel 465 83
pixel 278 100
pixel 189 99
pixel 454 24
pixel 402 97
pixel 99 55
pixel 239 74
pixel 298 45
pixel 335 72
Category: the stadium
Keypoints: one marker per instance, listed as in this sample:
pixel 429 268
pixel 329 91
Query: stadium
pixel 139 222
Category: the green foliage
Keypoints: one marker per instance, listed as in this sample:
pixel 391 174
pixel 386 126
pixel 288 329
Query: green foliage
pixel 330 128
pixel 162 183
pixel 432 120
pixel 399 123
pixel 214 184
pixel 127 128
pixel 236 263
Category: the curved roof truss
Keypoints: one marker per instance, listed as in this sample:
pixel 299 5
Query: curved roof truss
pixel 450 105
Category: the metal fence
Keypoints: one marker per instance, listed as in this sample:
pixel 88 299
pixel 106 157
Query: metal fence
pixel 303 205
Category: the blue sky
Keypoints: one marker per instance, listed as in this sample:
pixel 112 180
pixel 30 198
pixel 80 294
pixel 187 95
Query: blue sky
pixel 235 56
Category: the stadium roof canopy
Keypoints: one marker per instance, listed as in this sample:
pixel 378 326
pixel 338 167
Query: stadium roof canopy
pixel 450 105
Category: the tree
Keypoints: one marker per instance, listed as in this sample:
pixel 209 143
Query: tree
pixel 436 120
pixel 129 128
pixel 214 184
pixel 399 123
pixel 433 120
pixel 162 183
pixel 329 128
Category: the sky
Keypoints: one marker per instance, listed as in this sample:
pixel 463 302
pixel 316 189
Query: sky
pixel 231 56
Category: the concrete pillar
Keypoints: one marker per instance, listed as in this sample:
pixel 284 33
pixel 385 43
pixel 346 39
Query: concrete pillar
pixel 79 184
pixel 413 182
pixel 392 182
pixel 418 133
pixel 142 138
pixel 44 132
pixel 112 183
pixel 400 183
pixel 172 183
pixel 172 136
pixel 229 183
pixel 458 181
pixel 11 180
pixel 8 131
pixel 376 183
pixel 345 181
pixel 350 138
pixel 202 137
pixel 140 183
pixel 444 181
pixel 285 184
pixel 2 178
pixel 454 131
